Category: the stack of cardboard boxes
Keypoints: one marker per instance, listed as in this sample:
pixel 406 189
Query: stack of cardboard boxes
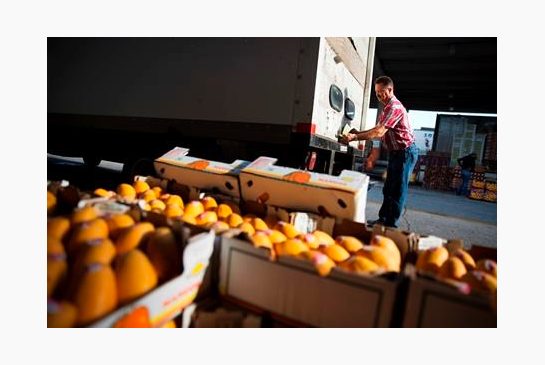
pixel 480 188
pixel 491 191
pixel 456 177
pixel 438 174
pixel 288 289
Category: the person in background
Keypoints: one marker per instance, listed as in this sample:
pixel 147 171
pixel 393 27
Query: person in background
pixel 394 129
pixel 467 163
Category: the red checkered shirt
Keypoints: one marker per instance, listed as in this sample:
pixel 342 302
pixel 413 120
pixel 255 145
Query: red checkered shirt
pixel 394 117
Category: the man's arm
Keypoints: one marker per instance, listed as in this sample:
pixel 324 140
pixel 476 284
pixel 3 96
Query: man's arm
pixel 374 133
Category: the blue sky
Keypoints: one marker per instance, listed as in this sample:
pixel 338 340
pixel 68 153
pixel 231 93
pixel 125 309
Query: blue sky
pixel 421 118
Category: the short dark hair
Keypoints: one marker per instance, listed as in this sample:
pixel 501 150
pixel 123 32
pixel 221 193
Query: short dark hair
pixel 384 80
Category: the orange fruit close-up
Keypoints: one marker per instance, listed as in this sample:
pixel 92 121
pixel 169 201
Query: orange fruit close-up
pixel 140 186
pixel 118 223
pixel 133 237
pixel 164 253
pixel 96 294
pixel 135 275
pixel 126 191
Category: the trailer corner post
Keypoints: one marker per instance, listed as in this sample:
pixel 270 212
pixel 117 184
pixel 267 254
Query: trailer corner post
pixel 365 123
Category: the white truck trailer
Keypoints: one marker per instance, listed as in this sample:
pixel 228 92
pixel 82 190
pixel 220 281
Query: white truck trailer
pixel 124 99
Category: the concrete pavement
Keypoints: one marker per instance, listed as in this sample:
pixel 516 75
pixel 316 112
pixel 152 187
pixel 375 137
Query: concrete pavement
pixel 442 203
pixel 442 214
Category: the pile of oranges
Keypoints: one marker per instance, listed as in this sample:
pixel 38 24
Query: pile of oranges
pixel 459 265
pixel 346 252
pixel 97 263
pixel 280 238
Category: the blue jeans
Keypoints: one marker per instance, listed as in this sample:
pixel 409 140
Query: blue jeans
pixel 400 165
pixel 463 189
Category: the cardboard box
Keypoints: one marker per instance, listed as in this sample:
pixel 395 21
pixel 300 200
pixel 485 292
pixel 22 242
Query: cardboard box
pixel 342 196
pixel 168 300
pixel 291 288
pixel 407 242
pixel 194 172
pixel 292 293
pixel 433 303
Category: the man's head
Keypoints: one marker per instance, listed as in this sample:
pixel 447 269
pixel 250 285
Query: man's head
pixel 384 89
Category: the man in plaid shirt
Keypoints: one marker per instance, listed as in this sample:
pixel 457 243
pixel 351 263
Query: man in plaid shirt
pixel 394 129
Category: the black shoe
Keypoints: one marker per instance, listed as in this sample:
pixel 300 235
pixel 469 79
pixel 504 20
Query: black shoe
pixel 376 221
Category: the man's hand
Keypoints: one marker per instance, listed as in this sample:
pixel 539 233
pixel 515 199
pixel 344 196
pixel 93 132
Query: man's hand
pixel 348 138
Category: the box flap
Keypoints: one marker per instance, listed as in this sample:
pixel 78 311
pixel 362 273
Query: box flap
pixel 200 173
pixel 351 181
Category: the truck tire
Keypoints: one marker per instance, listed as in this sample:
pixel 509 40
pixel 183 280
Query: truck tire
pixel 141 166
